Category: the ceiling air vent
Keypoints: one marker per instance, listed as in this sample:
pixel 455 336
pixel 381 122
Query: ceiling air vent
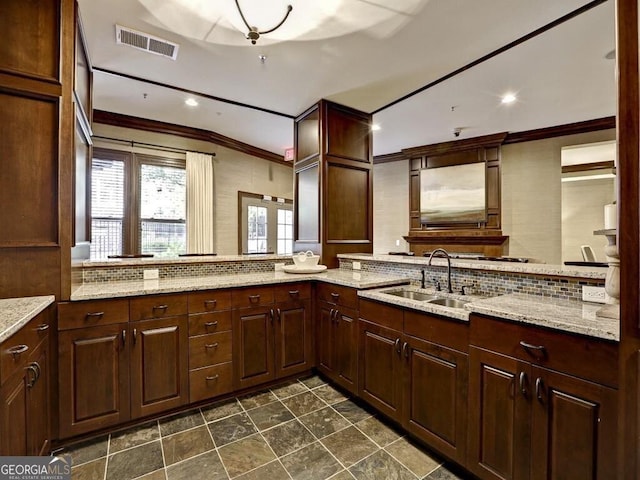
pixel 146 42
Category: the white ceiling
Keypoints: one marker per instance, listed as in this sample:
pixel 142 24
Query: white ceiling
pixel 364 55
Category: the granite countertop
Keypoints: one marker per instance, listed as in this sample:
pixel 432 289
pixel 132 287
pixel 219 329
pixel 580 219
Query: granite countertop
pixel 592 273
pixel 348 278
pixel 382 295
pixel 147 261
pixel 566 315
pixel 16 312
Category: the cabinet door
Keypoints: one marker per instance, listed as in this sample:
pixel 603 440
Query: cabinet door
pixel 38 413
pixel 293 338
pixel 436 396
pixel 381 368
pixel 13 424
pixel 93 377
pixel 346 353
pixel 325 342
pixel 499 416
pixel 159 365
pixel 253 350
pixel 573 428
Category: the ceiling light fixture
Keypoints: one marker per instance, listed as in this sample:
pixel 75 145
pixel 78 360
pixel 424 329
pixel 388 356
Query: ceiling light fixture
pixel 254 33
pixel 508 98
pixel 191 102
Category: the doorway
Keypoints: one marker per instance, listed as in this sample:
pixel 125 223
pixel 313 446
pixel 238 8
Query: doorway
pixel 266 224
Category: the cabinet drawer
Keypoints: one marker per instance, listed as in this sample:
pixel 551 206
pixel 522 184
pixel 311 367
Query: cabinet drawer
pixel 204 323
pixel 447 332
pixel 293 292
pixel 209 349
pixel 577 355
pixel 209 301
pixel 157 306
pixel 339 295
pixel 381 314
pixel 91 313
pixel 210 382
pixel 252 297
pixel 16 350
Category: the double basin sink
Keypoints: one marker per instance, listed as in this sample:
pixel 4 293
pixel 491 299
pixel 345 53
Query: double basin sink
pixel 428 298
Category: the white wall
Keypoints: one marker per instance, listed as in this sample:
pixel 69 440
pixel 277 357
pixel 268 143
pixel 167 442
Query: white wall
pixel 390 206
pixel 233 171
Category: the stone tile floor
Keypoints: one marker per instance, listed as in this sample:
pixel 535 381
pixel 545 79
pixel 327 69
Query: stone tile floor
pixel 301 430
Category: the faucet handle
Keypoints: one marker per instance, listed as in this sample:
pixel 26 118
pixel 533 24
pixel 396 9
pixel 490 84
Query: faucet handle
pixel 463 290
pixel 437 284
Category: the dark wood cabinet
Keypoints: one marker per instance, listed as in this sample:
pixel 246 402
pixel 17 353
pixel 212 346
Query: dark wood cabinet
pixel 254 361
pixel 528 420
pixel 499 416
pixel 382 368
pixel 93 376
pixel 24 390
pixel 159 365
pixel 333 177
pixel 435 401
pixel 275 338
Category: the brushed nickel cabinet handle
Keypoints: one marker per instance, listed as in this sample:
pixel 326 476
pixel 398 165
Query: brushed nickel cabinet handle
pixel 124 337
pixel 211 345
pixel 539 389
pixel 397 344
pixel 92 315
pixel 211 378
pixel 211 324
pixel 254 298
pixel 210 304
pixel 18 350
pixel 160 307
pixel 523 384
pixel 335 295
pixel 294 293
pixel 530 347
pixel 135 336
pixel 337 315
pixel 31 381
pixel 405 349
pixel 42 327
pixel 279 314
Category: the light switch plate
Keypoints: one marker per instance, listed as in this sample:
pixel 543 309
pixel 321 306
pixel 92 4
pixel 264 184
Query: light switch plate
pixel 357 266
pixel 593 294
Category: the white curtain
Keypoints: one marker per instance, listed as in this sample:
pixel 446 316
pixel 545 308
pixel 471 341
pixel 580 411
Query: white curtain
pixel 199 203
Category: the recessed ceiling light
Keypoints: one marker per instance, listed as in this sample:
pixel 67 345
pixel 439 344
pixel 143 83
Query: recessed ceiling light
pixel 191 102
pixel 508 98
pixel 375 127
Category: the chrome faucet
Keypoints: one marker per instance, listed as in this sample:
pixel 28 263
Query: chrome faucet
pixel 446 255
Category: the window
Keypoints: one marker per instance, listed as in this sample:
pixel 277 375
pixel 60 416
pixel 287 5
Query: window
pixel 266 224
pixel 138 204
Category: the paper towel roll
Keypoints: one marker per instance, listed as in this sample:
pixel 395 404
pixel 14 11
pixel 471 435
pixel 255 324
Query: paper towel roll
pixel 610 216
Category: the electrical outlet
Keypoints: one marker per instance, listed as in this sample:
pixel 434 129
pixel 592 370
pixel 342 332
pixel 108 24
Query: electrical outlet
pixel 397 243
pixel 357 266
pixel 593 294
pixel 151 274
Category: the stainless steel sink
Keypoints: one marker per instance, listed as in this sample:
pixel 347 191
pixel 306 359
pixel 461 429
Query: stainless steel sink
pixel 448 302
pixel 413 295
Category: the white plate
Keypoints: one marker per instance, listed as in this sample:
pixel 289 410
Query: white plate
pixel 299 269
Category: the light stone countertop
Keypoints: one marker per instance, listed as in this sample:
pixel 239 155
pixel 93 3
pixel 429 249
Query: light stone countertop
pixel 348 278
pixel 566 315
pixel 16 312
pixel 147 261
pixel 593 273
pixel 382 295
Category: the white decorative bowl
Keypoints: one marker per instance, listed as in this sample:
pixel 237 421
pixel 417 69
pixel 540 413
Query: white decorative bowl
pixel 306 259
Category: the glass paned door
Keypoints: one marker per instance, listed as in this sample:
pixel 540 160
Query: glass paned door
pixel 266 225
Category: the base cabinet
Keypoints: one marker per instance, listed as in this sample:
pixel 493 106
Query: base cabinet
pixel 275 338
pixel 539 408
pixel 24 390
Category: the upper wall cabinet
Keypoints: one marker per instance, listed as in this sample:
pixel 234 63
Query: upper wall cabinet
pixel 33 30
pixel 333 181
